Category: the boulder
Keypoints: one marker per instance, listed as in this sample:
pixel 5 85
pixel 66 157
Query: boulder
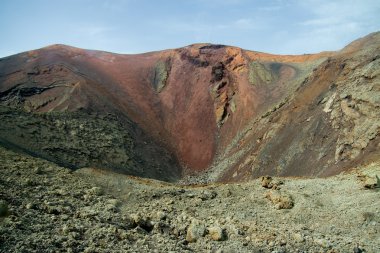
pixel 195 231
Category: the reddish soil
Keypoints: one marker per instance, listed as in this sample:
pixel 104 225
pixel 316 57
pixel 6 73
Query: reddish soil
pixel 205 98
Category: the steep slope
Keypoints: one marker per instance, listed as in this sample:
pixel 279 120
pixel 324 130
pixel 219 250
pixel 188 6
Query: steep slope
pixel 51 109
pixel 328 125
pixel 235 113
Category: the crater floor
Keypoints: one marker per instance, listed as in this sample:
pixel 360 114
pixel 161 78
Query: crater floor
pixel 52 209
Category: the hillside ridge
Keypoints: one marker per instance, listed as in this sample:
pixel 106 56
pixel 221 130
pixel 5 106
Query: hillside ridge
pixel 215 111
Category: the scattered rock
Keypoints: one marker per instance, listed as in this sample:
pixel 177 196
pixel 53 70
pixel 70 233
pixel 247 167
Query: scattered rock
pixel 142 222
pixel 195 231
pixel 266 182
pixel 280 200
pixel 322 242
pixel 234 212
pixel 217 233
pixel 96 191
pixel 369 182
pixel 4 210
pixel 357 249
pixel 206 195
pixel 298 237
pixel 372 183
pixel 160 215
pixel 269 183
pixel 38 171
pixel 30 206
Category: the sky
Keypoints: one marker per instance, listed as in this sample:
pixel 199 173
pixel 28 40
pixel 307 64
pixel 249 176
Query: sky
pixel 137 26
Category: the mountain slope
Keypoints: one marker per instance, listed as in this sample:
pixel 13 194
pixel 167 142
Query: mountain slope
pixel 234 113
pixel 330 124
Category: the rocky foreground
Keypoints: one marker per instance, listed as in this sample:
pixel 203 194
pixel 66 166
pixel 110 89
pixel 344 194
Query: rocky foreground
pixel 46 208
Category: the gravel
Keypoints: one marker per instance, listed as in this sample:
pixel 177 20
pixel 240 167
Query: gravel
pixel 53 209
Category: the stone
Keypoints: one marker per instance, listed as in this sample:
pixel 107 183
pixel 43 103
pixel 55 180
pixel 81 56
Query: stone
pixel 170 202
pixel 142 221
pixel 266 182
pixel 372 183
pixel 206 195
pixel 195 231
pixel 4 210
pixel 65 229
pixel 322 242
pixel 96 191
pixel 160 215
pixel 347 110
pixel 327 108
pixel 30 206
pixel 280 200
pixel 216 233
pixel 269 183
pixel 38 170
pixel 298 237
pixel 357 249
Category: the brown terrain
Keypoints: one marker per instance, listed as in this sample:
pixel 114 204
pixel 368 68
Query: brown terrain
pixel 199 114
pixel 188 110
pixel 179 112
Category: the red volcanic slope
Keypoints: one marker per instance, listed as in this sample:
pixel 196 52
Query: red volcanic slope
pixel 197 101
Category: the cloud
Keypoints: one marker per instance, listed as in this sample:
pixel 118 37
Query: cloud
pixel 97 30
pixel 323 21
pixel 93 30
pixel 200 26
pixel 270 8
pixel 328 14
pixel 243 23
pixel 332 24
pixel 254 24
